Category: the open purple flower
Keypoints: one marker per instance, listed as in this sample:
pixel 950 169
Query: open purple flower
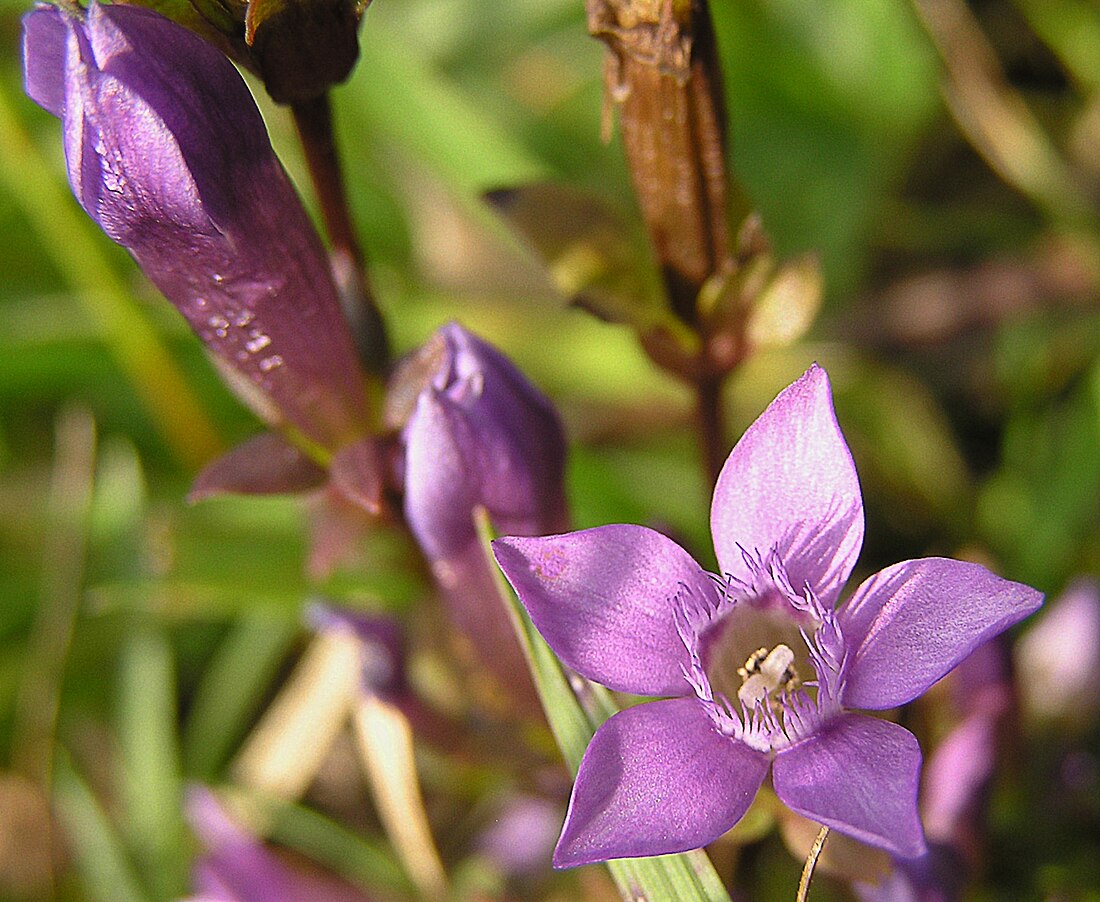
pixel 757 668
pixel 167 152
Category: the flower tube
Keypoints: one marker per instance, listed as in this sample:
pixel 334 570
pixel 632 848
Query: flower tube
pixel 757 669
pixel 167 152
pixel 479 435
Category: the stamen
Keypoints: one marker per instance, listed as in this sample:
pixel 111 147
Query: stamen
pixel 764 673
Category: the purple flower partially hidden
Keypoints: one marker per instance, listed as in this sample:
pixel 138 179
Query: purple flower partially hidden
pixel 237 867
pixel 521 836
pixel 1058 659
pixel 955 786
pixel 759 667
pixel 478 435
pixel 167 152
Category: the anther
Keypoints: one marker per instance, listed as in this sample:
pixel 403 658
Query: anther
pixel 766 672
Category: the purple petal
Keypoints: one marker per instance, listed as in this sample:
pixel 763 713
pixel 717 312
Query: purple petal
pixel 1058 659
pixel 167 152
pixel 605 600
pixel 908 625
pixel 657 778
pixel 790 483
pixel 858 775
pixel 44 40
pixel 440 485
pixel 266 464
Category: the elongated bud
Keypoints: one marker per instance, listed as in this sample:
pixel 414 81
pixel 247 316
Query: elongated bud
pixel 167 152
pixel 476 434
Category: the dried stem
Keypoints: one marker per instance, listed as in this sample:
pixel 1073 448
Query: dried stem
pixel 313 119
pixel 662 71
pixel 811 863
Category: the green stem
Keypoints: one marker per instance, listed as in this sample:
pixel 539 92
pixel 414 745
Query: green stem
pixel 313 119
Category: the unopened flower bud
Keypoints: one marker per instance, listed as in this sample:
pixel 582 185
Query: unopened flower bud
pixel 302 47
pixel 477 434
pixel 167 152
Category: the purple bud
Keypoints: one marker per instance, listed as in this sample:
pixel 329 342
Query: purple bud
pixel 237 867
pixel 167 152
pixel 480 434
pixel 477 434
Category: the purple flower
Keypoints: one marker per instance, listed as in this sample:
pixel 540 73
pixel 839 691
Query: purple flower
pixel 237 867
pixel 758 667
pixel 955 785
pixel 1058 659
pixel 478 434
pixel 167 152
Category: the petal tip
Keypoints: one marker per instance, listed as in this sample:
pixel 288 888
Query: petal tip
pixel 566 855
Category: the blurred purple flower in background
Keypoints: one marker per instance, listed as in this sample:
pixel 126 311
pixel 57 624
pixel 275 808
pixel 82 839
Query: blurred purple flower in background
pixel 521 837
pixel 167 152
pixel 237 867
pixel 627 607
pixel 1058 659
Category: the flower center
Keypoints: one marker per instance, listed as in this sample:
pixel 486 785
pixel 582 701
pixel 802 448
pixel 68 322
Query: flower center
pixel 751 655
pixel 767 673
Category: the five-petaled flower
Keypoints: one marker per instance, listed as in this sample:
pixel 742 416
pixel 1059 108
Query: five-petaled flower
pixel 759 667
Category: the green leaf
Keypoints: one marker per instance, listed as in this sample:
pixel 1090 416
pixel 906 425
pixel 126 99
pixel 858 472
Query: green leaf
pixel 101 859
pixel 397 95
pixel 150 760
pixel 575 708
pixel 360 859
pixel 232 689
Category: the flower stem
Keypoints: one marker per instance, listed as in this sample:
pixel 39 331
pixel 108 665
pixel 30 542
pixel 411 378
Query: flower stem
pixel 811 863
pixel 711 425
pixel 313 119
